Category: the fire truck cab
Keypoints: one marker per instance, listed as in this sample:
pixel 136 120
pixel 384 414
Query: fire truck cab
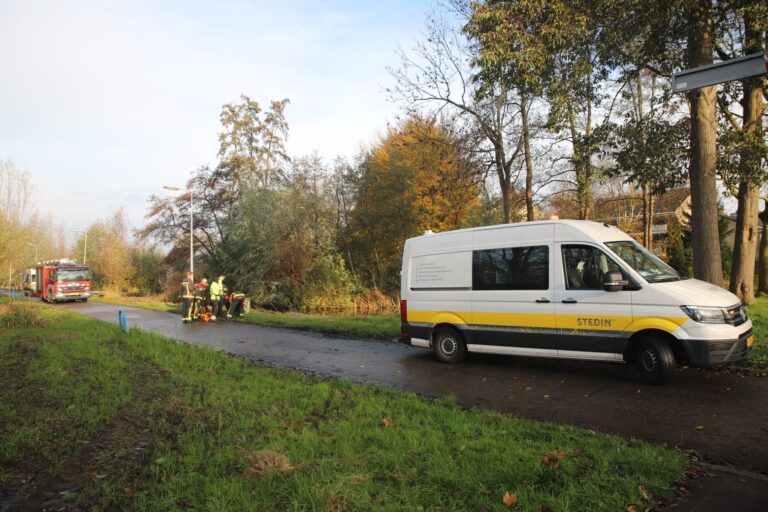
pixel 62 280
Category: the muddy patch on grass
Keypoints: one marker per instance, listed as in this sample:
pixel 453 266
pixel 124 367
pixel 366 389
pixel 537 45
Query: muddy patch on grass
pixel 104 468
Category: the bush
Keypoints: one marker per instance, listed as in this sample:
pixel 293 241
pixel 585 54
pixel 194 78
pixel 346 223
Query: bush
pixel 375 302
pixel 278 297
pixel 328 288
pixel 19 316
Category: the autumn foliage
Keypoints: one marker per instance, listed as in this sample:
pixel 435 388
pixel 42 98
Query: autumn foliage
pixel 414 179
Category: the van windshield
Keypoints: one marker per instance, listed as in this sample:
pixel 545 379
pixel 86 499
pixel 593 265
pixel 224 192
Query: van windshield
pixel 644 261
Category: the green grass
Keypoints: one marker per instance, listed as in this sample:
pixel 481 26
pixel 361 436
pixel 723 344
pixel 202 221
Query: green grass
pixel 141 302
pixel 758 360
pixel 111 422
pixel 369 326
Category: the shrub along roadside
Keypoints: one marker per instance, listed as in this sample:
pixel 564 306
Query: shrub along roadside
pixel 141 422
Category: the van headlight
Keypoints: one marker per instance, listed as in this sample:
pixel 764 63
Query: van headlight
pixel 705 315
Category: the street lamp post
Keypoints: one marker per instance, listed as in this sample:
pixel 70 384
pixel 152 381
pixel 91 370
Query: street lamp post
pixel 85 247
pixel 191 235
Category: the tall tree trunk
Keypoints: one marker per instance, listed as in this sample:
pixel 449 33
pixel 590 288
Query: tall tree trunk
pixel 762 264
pixel 647 217
pixel 707 263
pixel 506 203
pixel 745 240
pixel 528 159
pixel 745 244
pixel 582 185
pixel 587 160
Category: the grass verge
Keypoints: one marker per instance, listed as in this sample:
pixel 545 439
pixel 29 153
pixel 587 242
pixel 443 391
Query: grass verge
pixel 141 302
pixel 368 326
pixel 363 326
pixel 758 360
pixel 95 419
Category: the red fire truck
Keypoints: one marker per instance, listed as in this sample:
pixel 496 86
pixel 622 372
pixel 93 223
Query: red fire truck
pixel 62 280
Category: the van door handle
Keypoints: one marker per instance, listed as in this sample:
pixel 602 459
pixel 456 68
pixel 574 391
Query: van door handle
pixel 569 301
pixel 542 301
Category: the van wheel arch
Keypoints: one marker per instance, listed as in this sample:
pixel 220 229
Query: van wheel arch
pixel 447 335
pixel 678 349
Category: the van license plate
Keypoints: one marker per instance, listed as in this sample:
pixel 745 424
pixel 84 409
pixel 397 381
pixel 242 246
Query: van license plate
pixel 750 340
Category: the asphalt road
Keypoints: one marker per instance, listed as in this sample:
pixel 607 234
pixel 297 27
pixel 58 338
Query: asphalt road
pixel 722 416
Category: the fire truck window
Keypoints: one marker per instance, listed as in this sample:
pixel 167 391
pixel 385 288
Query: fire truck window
pixel 80 274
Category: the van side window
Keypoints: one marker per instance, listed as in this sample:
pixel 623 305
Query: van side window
pixel 518 268
pixel 584 267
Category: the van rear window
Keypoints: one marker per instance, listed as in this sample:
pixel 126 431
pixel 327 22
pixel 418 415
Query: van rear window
pixel 516 268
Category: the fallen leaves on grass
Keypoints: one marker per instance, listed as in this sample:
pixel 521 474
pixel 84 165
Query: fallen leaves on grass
pixel 553 458
pixel 357 479
pixel 337 502
pixel 510 500
pixel 266 461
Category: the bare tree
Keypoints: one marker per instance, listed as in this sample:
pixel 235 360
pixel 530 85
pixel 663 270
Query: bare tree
pixel 436 74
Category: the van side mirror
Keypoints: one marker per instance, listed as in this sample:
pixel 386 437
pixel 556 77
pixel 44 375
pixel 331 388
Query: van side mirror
pixel 613 281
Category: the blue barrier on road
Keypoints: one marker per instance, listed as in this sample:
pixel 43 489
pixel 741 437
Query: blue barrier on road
pixel 122 321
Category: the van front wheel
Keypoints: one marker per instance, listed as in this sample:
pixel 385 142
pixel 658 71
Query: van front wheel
pixel 449 346
pixel 655 360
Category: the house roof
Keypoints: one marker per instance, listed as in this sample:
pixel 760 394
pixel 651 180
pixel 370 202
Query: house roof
pixel 671 200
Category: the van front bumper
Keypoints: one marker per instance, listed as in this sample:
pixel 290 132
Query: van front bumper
pixel 707 353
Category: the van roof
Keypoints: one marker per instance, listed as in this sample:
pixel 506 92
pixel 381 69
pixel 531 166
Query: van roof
pixel 590 229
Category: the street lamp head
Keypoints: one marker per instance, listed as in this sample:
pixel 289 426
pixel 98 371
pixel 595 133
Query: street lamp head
pixel 168 187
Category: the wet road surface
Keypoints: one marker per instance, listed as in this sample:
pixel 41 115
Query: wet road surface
pixel 722 416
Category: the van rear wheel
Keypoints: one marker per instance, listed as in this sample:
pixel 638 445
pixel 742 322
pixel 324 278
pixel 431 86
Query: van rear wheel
pixel 655 360
pixel 449 346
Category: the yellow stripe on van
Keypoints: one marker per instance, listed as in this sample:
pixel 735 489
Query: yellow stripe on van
pixel 666 324
pixel 548 321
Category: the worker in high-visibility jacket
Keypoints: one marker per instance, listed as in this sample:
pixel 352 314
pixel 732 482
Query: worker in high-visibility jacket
pixel 187 295
pixel 217 295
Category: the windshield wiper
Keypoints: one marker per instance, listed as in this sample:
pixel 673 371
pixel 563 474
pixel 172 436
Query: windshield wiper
pixel 668 279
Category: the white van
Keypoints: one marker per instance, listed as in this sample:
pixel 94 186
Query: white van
pixel 566 289
pixel 30 281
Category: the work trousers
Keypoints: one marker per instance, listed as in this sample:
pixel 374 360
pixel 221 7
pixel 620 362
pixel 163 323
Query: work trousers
pixel 216 304
pixel 186 303
pixel 236 308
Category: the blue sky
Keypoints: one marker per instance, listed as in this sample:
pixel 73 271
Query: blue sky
pixel 104 102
